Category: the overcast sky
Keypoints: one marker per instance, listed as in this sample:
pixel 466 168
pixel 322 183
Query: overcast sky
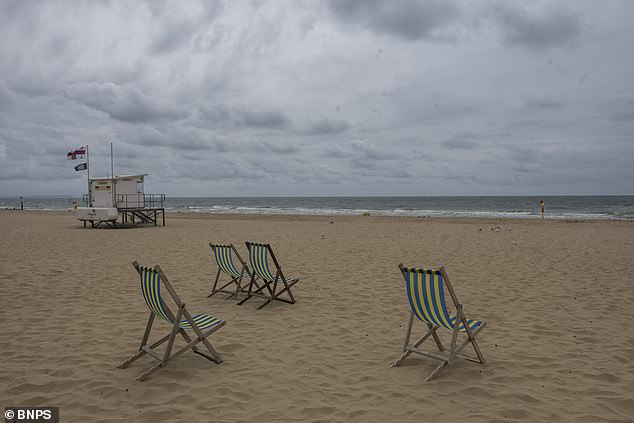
pixel 347 97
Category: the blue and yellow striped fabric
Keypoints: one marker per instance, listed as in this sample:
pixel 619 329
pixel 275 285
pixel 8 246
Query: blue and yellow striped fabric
pixel 259 259
pixel 224 259
pixel 151 288
pixel 204 321
pixel 426 295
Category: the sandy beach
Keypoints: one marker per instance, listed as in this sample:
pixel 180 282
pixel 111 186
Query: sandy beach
pixel 557 298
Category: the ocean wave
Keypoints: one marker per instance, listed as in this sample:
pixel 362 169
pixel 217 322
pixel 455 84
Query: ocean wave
pixel 306 211
pixel 571 208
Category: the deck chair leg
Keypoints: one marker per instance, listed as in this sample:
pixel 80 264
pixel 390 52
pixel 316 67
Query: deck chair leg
pixel 213 289
pixel 193 343
pixel 249 291
pixel 216 357
pixel 434 374
pixel 268 288
pixel 454 335
pixel 409 330
pixel 166 356
pixel 287 287
pixel 150 371
pixel 238 284
pixel 195 349
pixel 187 339
pixel 271 294
pixel 146 335
pixel 175 329
pixel 148 329
pixel 142 352
pixel 452 347
pixel 407 349
pixel 235 292
pixel 437 339
pixel 257 291
pixel 471 339
pixel 476 347
pixel 399 360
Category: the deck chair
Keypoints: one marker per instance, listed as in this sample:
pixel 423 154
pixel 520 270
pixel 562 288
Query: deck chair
pixel 426 297
pixel 259 258
pixel 202 325
pixel 224 259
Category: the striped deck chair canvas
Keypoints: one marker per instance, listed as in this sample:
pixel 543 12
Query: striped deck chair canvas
pixel 426 296
pixel 224 259
pixel 202 325
pixel 261 257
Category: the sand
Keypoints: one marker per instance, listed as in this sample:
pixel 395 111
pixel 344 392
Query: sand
pixel 557 298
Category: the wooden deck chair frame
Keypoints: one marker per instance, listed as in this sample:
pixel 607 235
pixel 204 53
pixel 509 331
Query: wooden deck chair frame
pixel 269 281
pixel 446 357
pixel 237 280
pixel 177 329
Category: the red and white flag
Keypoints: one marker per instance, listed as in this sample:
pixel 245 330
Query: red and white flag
pixel 72 155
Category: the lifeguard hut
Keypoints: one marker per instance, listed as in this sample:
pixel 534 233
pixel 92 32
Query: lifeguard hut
pixel 111 198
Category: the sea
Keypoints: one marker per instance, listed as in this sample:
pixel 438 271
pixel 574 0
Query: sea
pixel 613 207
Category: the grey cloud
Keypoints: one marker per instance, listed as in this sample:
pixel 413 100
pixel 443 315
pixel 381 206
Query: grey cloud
pixel 195 92
pixel 223 145
pixel 524 154
pixel 282 148
pixel 421 155
pixel 366 151
pixel 460 142
pixel 6 94
pixel 173 137
pixel 215 114
pixel 621 107
pixel 408 19
pixel 177 31
pixel 125 103
pixel 269 119
pixel 381 169
pixel 543 103
pixel 218 173
pixel 227 117
pixel 365 159
pixel 334 152
pixel 550 27
pixel 327 127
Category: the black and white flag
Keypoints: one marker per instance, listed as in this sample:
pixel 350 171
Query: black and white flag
pixel 82 166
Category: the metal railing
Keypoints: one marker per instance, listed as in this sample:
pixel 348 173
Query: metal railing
pixel 134 201
pixel 140 201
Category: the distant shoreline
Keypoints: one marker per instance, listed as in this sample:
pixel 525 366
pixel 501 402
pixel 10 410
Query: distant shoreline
pixel 325 217
pixel 501 207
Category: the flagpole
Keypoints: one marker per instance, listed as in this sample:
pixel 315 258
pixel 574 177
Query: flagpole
pixel 88 173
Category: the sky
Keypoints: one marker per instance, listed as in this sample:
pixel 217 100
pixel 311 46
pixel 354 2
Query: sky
pixel 303 98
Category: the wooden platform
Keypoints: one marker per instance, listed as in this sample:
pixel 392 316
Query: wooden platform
pixel 131 216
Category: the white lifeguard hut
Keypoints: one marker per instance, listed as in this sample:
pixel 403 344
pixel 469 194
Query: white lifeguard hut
pixel 121 196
